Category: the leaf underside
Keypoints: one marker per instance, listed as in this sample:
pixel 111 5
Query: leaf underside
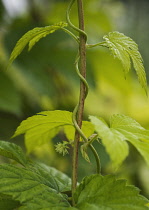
pixel 122 129
pixel 41 128
pixel 126 50
pixel 32 37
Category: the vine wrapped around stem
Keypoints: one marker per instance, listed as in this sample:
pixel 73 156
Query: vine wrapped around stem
pixel 78 110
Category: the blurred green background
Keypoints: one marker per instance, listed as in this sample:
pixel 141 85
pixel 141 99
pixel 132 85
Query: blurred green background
pixel 45 78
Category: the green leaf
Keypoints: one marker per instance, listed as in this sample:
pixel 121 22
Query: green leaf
pixel 42 203
pixel 134 133
pixel 36 207
pixel 13 152
pixel 41 128
pixel 114 138
pixel 7 203
pixel 33 36
pixel 62 180
pixel 31 188
pixel 125 49
pixel 105 192
pixel 87 128
pixel 113 141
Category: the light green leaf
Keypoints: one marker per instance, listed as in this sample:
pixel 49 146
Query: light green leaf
pixel 41 128
pixel 114 138
pixel 13 152
pixel 134 133
pixel 125 49
pixel 7 203
pixel 113 141
pixel 33 36
pixel 87 128
pixel 105 192
pixel 30 188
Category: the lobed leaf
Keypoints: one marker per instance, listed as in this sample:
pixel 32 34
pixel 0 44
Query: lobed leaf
pixel 33 36
pixel 61 182
pixel 31 188
pixel 41 128
pixel 39 187
pixel 125 49
pixel 113 141
pixel 114 138
pixel 105 192
pixel 13 152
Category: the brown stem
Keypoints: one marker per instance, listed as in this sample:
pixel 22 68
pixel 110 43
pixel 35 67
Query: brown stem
pixel 82 52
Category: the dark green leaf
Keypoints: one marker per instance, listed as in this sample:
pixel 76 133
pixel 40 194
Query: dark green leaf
pixel 30 188
pixel 106 193
pixel 62 180
pixel 13 152
pixel 7 203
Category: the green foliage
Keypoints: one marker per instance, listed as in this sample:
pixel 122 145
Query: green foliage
pixel 105 192
pixel 33 36
pixel 7 203
pixel 9 102
pixel 125 49
pixel 37 186
pixel 41 128
pixel 32 184
pixel 62 180
pixel 30 188
pixel 13 152
pixel 114 138
pixel 87 128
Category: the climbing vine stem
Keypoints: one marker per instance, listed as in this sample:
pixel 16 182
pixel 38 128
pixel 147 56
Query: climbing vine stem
pixel 77 116
pixel 78 111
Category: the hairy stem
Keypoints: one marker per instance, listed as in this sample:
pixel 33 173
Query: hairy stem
pixel 82 53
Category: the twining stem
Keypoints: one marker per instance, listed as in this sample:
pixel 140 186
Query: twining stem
pixel 71 34
pixel 82 54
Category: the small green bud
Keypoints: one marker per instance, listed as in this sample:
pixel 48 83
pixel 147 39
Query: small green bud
pixel 62 148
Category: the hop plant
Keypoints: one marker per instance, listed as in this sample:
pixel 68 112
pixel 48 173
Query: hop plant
pixel 62 148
